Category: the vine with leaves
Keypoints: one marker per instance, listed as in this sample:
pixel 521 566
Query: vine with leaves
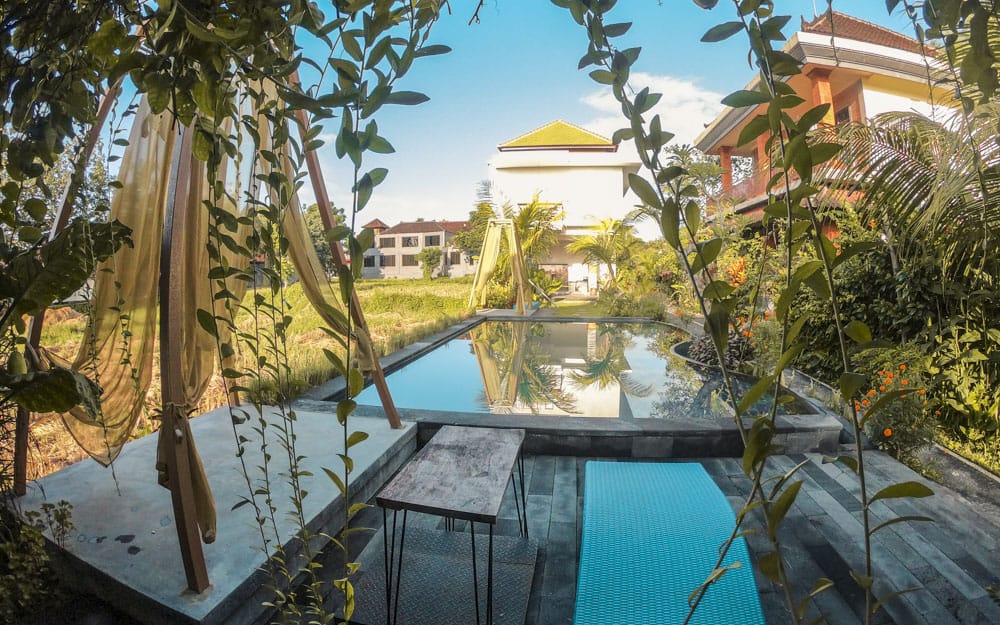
pixel 810 262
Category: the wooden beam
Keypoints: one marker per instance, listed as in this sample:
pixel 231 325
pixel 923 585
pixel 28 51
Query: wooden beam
pixel 171 381
pixel 23 422
pixel 340 260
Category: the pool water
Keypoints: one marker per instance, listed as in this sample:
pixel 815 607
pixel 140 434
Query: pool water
pixel 604 370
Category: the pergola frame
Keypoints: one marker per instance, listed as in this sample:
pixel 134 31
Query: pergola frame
pixel 176 216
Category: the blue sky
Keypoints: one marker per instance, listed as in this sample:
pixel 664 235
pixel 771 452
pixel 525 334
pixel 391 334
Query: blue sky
pixel 517 70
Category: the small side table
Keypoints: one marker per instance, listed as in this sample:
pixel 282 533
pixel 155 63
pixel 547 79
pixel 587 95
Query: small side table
pixel 462 473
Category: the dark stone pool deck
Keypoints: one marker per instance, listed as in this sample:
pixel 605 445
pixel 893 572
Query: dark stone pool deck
pixel 949 563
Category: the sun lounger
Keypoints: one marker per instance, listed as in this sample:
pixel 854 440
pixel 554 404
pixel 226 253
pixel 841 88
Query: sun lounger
pixel 651 535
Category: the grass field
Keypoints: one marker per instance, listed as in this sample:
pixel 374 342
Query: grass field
pixel 399 312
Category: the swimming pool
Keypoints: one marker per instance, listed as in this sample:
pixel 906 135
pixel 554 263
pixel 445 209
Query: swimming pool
pixel 558 369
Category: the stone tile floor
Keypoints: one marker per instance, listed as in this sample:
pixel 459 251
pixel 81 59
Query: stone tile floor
pixel 949 562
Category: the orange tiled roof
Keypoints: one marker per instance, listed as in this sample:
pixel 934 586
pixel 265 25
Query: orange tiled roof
pixel 419 227
pixel 850 27
pixel 375 224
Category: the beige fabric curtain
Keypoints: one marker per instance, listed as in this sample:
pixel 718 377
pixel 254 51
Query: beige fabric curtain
pixel 124 295
pixel 310 272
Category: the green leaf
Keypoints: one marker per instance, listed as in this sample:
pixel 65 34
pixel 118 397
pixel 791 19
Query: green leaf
pixel 858 331
pixel 706 254
pixel 850 383
pixel 356 382
pixel 432 50
pixel 603 76
pixel 407 98
pixel 55 390
pixel 742 98
pixel 779 509
pixel 849 461
pixel 916 518
pixel 336 480
pixel 768 564
pixel 813 116
pixel 644 190
pixel 355 438
pixel 207 322
pixel 36 208
pixel 35 279
pixel 914 490
pixel 722 32
pixel 757 126
pixel 670 223
pixel 344 409
pixel 753 395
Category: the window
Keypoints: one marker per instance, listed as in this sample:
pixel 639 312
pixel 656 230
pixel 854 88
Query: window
pixel 842 116
pixel 455 258
pixel 432 240
pixel 369 261
pixel 411 241
pixel 388 261
pixel 409 260
pixel 387 242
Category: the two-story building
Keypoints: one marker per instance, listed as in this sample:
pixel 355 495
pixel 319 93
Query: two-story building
pixel 859 68
pixel 583 172
pixel 394 254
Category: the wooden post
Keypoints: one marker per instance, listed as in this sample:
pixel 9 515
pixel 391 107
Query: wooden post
pixel 22 424
pixel 171 385
pixel 340 260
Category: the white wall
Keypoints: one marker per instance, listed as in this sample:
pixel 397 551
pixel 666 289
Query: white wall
pixel 590 185
pixel 878 102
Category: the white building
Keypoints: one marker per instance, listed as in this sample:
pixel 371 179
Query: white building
pixel 394 254
pixel 582 171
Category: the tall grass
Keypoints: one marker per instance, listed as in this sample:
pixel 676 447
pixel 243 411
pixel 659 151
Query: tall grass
pixel 399 312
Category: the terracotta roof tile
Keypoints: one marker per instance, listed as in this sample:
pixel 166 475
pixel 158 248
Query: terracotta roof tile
pixel 375 224
pixel 420 227
pixel 850 27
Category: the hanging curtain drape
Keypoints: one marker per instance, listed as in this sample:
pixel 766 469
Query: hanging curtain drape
pixel 117 349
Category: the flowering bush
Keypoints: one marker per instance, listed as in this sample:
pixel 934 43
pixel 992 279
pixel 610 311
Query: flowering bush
pixel 903 427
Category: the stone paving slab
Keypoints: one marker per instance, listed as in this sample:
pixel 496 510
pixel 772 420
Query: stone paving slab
pixel 124 547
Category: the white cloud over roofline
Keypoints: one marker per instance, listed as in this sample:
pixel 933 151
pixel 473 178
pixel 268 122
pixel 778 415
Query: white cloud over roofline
pixel 684 109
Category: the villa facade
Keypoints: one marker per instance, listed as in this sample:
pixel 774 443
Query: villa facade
pixel 861 71
pixel 394 254
pixel 579 170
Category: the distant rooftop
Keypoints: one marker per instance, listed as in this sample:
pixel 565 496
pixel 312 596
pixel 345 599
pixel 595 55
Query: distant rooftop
pixel 418 227
pixel 376 224
pixel 559 134
pixel 850 27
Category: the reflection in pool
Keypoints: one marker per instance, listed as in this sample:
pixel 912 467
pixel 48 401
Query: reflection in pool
pixel 566 369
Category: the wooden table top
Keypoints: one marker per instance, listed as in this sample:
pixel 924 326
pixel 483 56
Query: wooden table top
pixel 461 473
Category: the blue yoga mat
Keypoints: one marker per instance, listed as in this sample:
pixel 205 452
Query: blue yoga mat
pixel 651 535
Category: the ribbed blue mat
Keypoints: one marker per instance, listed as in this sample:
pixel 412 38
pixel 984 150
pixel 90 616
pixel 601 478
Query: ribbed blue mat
pixel 651 535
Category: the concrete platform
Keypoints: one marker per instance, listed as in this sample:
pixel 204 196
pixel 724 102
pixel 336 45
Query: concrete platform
pixel 124 546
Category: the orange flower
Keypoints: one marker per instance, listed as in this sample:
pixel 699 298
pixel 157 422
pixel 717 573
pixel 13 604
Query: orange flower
pixel 750 334
pixel 902 367
pixel 922 392
pixel 882 388
pixel 865 402
pixel 904 382
pixel 871 393
pixel 887 432
pixel 937 412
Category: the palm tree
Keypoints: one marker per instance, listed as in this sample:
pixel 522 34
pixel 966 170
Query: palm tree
pixel 611 246
pixel 935 187
pixel 537 227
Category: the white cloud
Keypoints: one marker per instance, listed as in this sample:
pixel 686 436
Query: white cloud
pixel 684 109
